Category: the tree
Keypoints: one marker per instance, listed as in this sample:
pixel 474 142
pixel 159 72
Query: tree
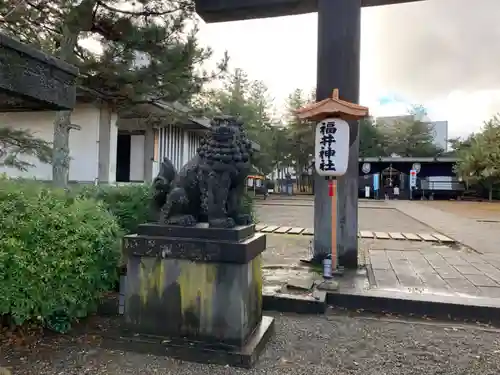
pixel 15 142
pixel 300 133
pixel 410 136
pixel 460 144
pixel 479 157
pixel 249 100
pixel 147 51
pixel 372 140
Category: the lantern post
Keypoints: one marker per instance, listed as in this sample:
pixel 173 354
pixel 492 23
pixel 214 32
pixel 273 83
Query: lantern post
pixel 331 149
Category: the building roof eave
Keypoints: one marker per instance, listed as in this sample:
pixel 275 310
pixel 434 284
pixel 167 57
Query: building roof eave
pixel 403 159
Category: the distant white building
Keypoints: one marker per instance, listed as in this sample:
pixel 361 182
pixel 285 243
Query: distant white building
pixel 439 128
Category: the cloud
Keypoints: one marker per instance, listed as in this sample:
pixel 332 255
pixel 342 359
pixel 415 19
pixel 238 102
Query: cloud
pixel 443 54
pixel 430 48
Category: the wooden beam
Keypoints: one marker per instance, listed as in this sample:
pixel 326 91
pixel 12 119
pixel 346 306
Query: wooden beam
pixel 237 10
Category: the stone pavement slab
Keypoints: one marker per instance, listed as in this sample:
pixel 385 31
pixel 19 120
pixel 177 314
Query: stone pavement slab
pixel 437 269
pixel 403 277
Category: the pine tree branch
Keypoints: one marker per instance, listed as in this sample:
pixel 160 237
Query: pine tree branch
pixel 143 13
pixel 16 142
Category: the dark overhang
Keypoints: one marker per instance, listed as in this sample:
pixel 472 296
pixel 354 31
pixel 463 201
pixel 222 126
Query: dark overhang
pixel 31 80
pixel 236 10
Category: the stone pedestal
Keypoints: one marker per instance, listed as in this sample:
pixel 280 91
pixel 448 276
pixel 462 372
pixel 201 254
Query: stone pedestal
pixel 196 293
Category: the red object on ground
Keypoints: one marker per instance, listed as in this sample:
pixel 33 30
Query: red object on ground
pixel 330 188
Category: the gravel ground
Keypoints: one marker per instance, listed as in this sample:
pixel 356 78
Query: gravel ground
pixel 323 345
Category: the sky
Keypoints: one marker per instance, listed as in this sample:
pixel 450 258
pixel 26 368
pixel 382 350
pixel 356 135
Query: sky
pixel 442 54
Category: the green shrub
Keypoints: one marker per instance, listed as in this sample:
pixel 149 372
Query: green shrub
pixel 130 204
pixel 57 254
pixel 247 205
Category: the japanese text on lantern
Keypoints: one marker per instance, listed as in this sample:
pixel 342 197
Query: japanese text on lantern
pixel 332 147
pixel 327 142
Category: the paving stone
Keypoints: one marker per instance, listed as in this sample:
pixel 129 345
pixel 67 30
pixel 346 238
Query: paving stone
pixel 378 253
pixel 295 230
pixel 409 281
pixel 395 255
pixel 412 237
pixel 433 280
pixel 437 262
pixel 282 230
pixel 366 234
pixel 449 273
pixel 308 232
pixel 397 236
pixel 457 261
pixel 423 268
pixel 462 285
pixel 448 253
pixel 468 270
pixel 476 259
pixel 442 238
pixel 492 292
pixel 382 235
pixel 269 229
pixel 259 227
pixel 495 263
pixel 406 275
pixel 380 265
pixel 300 284
pixel 494 275
pixel 385 279
pixel 427 237
pixel 486 267
pixel 481 280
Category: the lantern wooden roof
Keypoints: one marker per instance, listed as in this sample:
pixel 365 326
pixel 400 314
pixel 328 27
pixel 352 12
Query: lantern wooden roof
pixel 332 107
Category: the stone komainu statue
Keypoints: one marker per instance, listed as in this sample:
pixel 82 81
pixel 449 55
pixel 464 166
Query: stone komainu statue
pixel 210 187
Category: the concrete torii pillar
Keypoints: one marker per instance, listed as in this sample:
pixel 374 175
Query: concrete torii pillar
pixel 339 32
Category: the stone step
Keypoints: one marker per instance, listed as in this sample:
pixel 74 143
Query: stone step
pixel 365 234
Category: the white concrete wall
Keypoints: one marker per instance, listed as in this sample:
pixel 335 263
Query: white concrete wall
pixel 137 147
pixel 92 148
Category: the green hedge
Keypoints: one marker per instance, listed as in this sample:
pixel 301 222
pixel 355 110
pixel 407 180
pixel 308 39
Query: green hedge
pixel 58 254
pixel 59 250
pixel 130 203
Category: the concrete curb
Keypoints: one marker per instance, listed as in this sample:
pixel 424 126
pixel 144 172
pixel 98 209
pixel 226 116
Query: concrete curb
pixel 295 303
pixel 484 310
pixel 476 309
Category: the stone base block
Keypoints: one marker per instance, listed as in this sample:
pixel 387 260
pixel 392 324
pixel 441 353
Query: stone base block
pixel 196 351
pixel 195 285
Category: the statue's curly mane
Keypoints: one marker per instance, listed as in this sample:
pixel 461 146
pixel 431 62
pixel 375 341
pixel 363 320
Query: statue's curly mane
pixel 235 152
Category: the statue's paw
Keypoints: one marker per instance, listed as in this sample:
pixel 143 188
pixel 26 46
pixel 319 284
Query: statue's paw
pixel 183 221
pixel 226 222
pixel 243 219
